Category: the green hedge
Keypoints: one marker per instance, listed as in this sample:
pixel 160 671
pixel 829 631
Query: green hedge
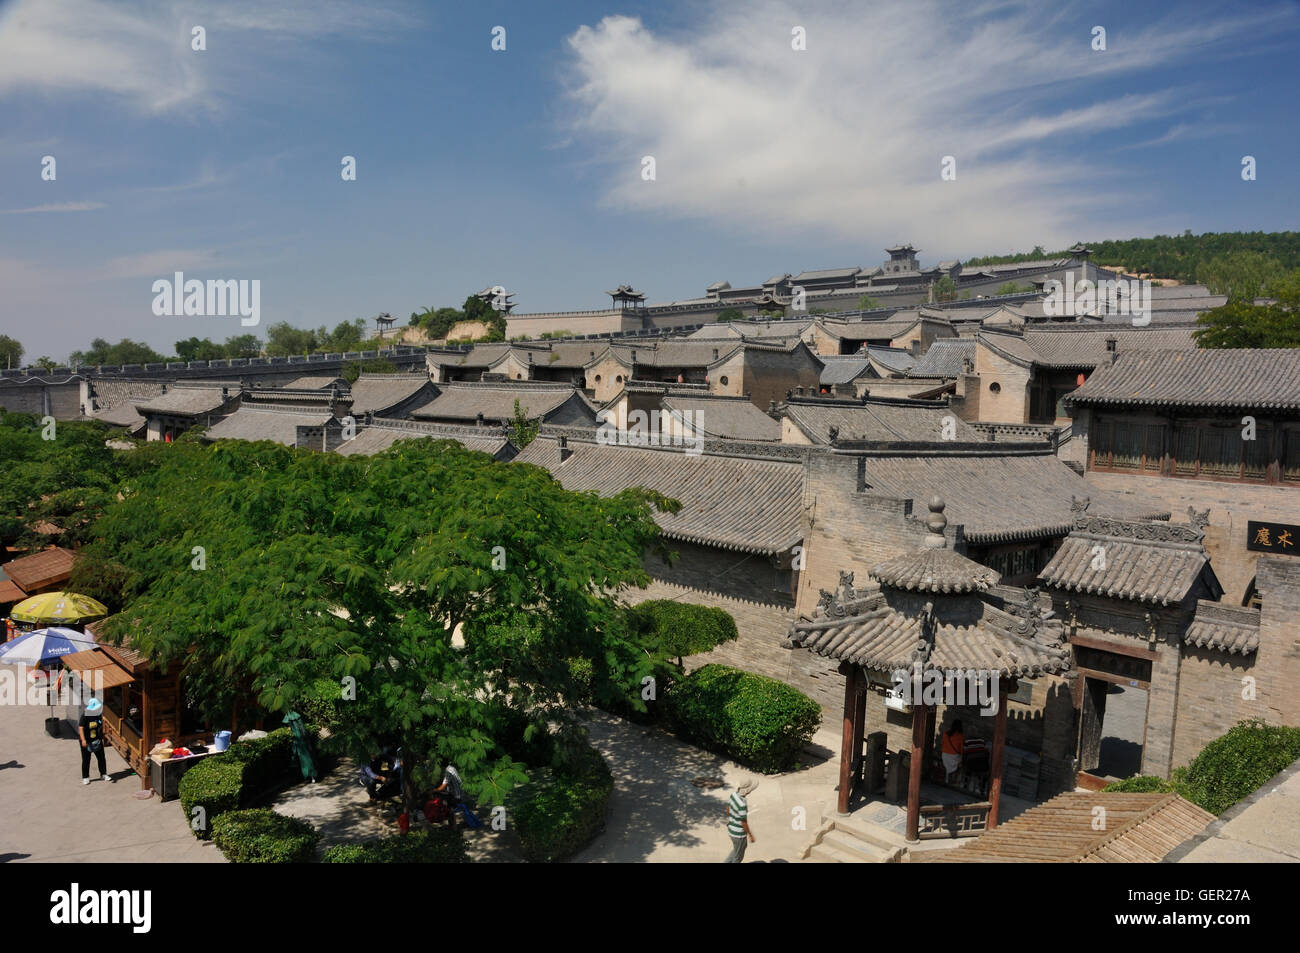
pixel 434 846
pixel 1142 784
pixel 677 629
pixel 755 720
pixel 1236 764
pixel 214 784
pixel 261 836
pixel 558 812
pixel 224 782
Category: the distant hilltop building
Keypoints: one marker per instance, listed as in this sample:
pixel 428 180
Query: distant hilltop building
pixel 898 282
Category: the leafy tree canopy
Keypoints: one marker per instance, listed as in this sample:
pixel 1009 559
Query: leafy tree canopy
pixel 375 569
pixel 11 352
pixel 1244 324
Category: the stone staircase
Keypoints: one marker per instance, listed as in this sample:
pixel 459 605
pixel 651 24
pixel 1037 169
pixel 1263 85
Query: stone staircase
pixel 847 840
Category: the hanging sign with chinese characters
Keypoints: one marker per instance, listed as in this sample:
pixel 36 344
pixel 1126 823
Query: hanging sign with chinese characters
pixel 1273 538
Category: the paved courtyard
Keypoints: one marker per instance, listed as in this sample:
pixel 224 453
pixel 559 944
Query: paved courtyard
pixel 47 814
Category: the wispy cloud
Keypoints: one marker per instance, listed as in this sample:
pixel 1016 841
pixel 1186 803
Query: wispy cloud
pixel 55 207
pixel 140 53
pixel 157 264
pixel 848 136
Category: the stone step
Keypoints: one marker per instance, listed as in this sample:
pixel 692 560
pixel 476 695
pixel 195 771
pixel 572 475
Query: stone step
pixel 865 830
pixel 831 855
pixel 863 851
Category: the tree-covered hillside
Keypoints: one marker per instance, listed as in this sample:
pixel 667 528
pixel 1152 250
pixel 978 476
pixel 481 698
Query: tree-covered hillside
pixel 1173 256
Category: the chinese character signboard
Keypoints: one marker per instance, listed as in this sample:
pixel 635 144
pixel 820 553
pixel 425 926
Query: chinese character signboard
pixel 1273 538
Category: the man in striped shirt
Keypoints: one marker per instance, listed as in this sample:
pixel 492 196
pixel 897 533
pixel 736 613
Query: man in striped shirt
pixel 738 821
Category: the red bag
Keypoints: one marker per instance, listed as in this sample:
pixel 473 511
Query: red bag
pixel 436 811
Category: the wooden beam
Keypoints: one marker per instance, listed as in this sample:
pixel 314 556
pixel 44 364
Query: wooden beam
pixel 920 715
pixel 995 769
pixel 847 738
pixel 859 728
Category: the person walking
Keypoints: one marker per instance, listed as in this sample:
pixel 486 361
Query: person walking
pixel 90 729
pixel 738 821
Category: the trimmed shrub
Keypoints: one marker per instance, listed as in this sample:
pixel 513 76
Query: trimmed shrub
pixel 214 784
pixel 1142 784
pixel 433 846
pixel 261 836
pixel 1236 764
pixel 674 630
pixel 755 720
pixel 559 811
pixel 246 771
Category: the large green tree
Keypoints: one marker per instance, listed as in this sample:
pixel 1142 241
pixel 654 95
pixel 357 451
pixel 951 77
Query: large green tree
pixel 450 586
pixel 1241 323
pixel 11 352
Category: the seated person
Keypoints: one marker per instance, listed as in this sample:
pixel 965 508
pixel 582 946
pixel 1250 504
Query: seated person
pixel 951 751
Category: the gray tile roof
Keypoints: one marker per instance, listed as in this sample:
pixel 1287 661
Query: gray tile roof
pixel 1230 379
pixel 495 401
pixel 1226 628
pixel 868 330
pixel 182 400
pixel 886 420
pixel 891 358
pixel 729 418
pixel 946 357
pixel 844 369
pixel 479 357
pixel 1083 346
pixel 380 393
pixel 122 415
pixel 825 273
pixel 1151 562
pixel 754 506
pixel 887 630
pixel 999 496
pixel 934 570
pixel 281 426
pixel 377 437
pixel 316 382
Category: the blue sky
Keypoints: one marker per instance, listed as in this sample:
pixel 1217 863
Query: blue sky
pixel 523 167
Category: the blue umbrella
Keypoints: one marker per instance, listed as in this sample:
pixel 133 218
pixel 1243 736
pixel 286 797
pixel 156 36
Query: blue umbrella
pixel 45 645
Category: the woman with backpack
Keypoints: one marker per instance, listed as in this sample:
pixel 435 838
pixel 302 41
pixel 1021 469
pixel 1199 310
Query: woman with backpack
pixel 90 729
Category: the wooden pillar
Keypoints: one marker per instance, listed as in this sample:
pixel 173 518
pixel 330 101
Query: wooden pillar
pixel 847 739
pixel 859 727
pixel 995 769
pixel 920 715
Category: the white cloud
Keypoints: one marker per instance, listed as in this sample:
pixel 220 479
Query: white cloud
pixel 55 207
pixel 140 52
pixel 847 137
pixel 157 264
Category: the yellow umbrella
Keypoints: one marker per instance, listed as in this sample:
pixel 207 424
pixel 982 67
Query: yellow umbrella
pixel 51 607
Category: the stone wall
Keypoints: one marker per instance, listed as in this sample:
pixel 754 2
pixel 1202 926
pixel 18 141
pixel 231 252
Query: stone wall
pixel 768 375
pixel 1231 505
pixel 61 400
pixel 1009 403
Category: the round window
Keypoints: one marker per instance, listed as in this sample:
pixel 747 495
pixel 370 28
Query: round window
pixel 619 379
pixel 722 381
pixel 995 387
pixel 597 378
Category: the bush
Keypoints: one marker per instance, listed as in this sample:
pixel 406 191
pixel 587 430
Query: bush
pixel 752 719
pixel 214 784
pixel 559 811
pixel 1143 784
pixel 261 836
pixel 1236 764
pixel 435 846
pixel 676 629
pixel 224 782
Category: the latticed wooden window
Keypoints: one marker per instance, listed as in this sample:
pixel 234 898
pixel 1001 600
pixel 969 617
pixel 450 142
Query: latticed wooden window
pixel 1102 442
pixel 1258 454
pixel 1128 446
pixel 1185 451
pixel 1291 455
pixel 1154 449
pixel 1221 451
